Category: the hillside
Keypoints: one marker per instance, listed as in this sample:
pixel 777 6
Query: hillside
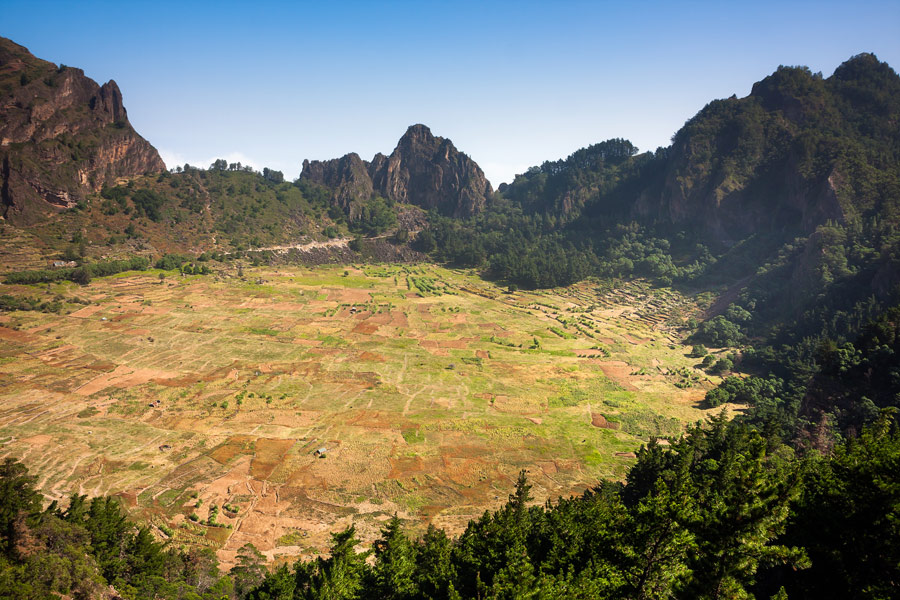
pixel 799 151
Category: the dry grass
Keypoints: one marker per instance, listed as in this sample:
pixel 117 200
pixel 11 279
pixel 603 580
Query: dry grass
pixel 425 406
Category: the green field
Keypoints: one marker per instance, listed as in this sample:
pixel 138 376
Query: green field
pixel 428 389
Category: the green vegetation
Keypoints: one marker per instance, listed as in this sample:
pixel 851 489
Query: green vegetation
pixel 9 303
pixel 797 496
pixel 818 285
pixel 722 512
pixel 82 549
pixel 81 274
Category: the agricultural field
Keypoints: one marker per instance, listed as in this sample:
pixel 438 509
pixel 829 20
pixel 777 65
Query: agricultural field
pixel 276 405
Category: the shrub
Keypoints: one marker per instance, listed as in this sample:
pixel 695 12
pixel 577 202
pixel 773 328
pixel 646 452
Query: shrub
pixel 721 366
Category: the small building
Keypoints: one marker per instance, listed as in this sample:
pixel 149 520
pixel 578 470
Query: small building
pixel 320 452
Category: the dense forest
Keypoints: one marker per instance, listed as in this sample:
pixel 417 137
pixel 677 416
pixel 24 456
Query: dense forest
pixel 723 512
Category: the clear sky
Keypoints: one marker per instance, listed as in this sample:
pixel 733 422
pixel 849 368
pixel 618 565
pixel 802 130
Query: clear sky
pixel 512 83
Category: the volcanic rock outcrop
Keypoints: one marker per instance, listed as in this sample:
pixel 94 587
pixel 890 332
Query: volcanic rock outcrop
pixel 423 170
pixel 62 136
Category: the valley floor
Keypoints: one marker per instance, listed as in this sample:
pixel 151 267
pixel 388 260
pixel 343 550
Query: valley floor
pixel 307 399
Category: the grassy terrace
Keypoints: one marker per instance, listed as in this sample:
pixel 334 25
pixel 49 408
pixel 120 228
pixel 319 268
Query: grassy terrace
pixel 429 389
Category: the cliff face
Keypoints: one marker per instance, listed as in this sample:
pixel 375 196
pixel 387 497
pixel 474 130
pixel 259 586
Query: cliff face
pixel 423 170
pixel 61 136
pixel 347 178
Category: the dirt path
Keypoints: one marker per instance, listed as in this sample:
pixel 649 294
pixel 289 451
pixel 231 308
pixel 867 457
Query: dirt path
pixel 411 398
pixel 336 243
pixel 722 302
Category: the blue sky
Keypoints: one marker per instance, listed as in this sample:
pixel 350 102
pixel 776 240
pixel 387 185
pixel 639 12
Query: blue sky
pixel 511 83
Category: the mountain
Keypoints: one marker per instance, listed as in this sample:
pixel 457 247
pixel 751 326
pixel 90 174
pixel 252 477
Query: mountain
pixel 796 187
pixel 423 170
pixel 783 208
pixel 62 137
pixel 801 150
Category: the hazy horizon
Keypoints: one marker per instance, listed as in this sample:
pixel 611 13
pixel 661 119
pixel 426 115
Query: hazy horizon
pixel 511 84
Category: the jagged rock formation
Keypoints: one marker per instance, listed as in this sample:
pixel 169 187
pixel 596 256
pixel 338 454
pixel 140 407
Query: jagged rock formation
pixel 423 170
pixel 61 136
pixel 347 177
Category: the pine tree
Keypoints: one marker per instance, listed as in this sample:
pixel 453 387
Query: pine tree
pixel 395 563
pixel 17 498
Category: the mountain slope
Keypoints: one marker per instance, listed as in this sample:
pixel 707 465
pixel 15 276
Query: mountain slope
pixel 62 137
pixel 799 151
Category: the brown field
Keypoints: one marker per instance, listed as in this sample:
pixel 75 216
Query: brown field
pixel 182 393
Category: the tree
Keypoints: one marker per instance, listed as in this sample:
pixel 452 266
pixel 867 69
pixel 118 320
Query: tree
pixel 82 275
pixel 721 366
pixel 719 332
pixel 18 500
pixel 849 518
pixel 339 577
pixel 401 236
pixel 426 242
pixel 656 543
pixel 395 563
pixel 109 531
pixel 435 570
pixel 375 216
pixel 285 585
pixel 743 496
pixel 250 570
pixel 272 175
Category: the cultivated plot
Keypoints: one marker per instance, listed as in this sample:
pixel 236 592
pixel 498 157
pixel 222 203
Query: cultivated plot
pixel 277 407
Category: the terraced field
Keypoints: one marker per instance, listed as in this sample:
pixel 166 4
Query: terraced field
pixel 279 406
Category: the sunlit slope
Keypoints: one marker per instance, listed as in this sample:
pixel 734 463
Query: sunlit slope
pixel 426 389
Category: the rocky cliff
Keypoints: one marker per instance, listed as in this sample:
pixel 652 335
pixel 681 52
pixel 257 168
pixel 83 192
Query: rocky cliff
pixel 62 136
pixel 423 170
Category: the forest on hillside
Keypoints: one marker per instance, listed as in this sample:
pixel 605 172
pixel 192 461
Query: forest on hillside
pixel 722 512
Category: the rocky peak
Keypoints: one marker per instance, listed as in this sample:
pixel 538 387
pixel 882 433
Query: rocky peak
pixel 417 138
pixel 424 170
pixel 111 101
pixel 430 172
pixel 347 177
pixel 62 136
